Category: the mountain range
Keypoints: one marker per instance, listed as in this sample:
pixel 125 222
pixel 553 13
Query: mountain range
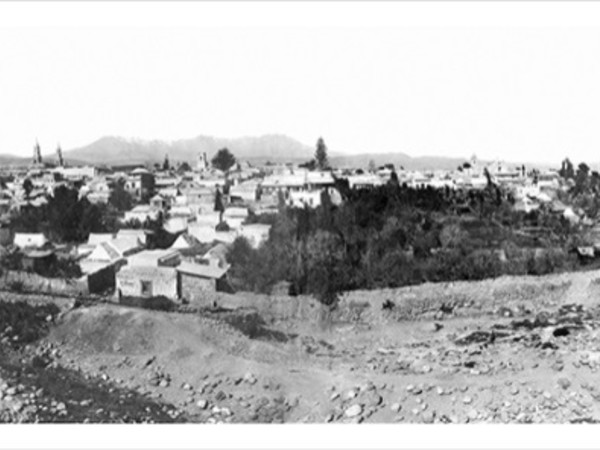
pixel 276 148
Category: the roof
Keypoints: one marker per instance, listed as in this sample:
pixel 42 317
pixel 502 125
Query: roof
pixel 257 227
pixel 151 257
pixel 151 272
pixel 201 270
pixel 218 251
pixel 97 238
pixel 142 209
pixel 39 253
pixel 186 240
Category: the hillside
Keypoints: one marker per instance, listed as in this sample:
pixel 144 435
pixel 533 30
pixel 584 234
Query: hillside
pixel 507 350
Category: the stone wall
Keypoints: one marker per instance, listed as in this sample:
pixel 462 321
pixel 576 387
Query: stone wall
pixel 198 291
pixel 31 282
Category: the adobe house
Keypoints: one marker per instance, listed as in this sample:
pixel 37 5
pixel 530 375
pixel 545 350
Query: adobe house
pixel 155 273
pixel 38 260
pixel 147 281
pixel 200 281
pixel 29 240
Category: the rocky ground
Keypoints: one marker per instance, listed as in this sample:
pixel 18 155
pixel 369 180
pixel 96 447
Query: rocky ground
pixel 528 352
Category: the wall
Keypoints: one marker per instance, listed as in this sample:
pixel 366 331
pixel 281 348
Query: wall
pixel 101 280
pixel 30 282
pixel 164 281
pixel 198 291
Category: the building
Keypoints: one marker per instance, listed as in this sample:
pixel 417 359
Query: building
pixel 147 281
pixel 29 240
pixel 155 258
pixel 142 213
pixel 140 184
pixel 200 281
pixel 140 235
pixel 161 273
pixel 256 234
pixel 38 260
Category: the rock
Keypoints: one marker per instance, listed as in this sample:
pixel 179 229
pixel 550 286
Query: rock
pixel 163 383
pixel 351 394
pixel 396 407
pixel 250 378
pixel 426 369
pixel 187 387
pixel 202 404
pixel 220 396
pixel 428 416
pixel 372 398
pixel 472 415
pixel 564 383
pixel 353 411
pixel 334 396
pixel 61 407
pixel 440 390
pixel 467 400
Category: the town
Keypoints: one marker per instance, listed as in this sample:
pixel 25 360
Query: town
pixel 173 225
pixel 211 290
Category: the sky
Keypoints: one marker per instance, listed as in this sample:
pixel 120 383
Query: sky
pixel 449 83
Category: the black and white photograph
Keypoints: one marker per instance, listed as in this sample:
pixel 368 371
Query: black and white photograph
pixel 342 214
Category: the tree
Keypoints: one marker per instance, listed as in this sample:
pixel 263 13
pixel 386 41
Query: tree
pixel 321 155
pixel 566 170
pixel 371 167
pixel 327 269
pixel 219 206
pixel 310 165
pixel 119 197
pixel 223 160
pixel 183 168
pixel 27 187
pixel 166 165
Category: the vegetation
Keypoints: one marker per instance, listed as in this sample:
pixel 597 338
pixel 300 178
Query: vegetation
pixel 65 217
pixel 395 235
pixel 321 155
pixel 223 160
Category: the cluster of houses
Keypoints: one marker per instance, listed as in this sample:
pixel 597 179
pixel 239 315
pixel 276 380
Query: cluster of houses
pixel 186 200
pixel 122 263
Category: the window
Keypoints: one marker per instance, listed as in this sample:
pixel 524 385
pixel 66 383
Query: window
pixel 146 288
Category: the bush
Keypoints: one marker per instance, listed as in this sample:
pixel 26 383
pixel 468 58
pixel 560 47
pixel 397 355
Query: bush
pixel 159 303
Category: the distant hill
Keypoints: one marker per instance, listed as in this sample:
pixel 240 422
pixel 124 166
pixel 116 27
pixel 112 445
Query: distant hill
pixel 398 160
pixel 414 163
pixel 276 148
pixel 115 150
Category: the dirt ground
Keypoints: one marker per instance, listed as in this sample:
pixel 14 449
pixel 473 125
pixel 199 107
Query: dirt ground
pixel 510 350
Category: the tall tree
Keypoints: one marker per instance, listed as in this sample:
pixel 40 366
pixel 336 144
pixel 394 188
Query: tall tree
pixel 166 165
pixel 219 206
pixel 223 160
pixel 119 197
pixel 27 187
pixel 321 155
pixel 566 169
pixel 372 168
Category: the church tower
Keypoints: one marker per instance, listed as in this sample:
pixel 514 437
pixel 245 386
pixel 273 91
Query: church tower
pixel 59 156
pixel 37 154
